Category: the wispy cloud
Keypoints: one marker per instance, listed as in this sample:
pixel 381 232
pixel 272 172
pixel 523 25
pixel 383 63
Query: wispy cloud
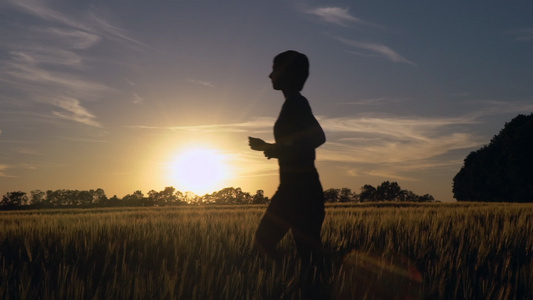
pixel 137 99
pixel 392 126
pixel 47 60
pixel 28 151
pixel 81 139
pixel 522 34
pixel 336 15
pixel 394 140
pixel 41 10
pixel 114 32
pixel 69 38
pixel 374 101
pixel 89 22
pixel 3 171
pixel 72 110
pixel 46 56
pixel 396 148
pixel 37 76
pixel 255 165
pixel 201 82
pixel 252 126
pixel 487 108
pixel 376 49
pixel 400 148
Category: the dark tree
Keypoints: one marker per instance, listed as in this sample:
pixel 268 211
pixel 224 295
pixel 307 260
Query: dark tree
pixel 54 198
pixel 389 191
pixel 426 198
pixel 242 197
pixel 346 195
pixel 332 195
pixel 259 197
pixel 230 195
pixel 339 195
pixel 501 171
pixel 368 193
pixel 14 199
pixel 114 201
pixel 38 197
pixel 135 199
pixel 167 196
pixel 409 196
pixel 153 198
pixel 85 198
pixel 99 196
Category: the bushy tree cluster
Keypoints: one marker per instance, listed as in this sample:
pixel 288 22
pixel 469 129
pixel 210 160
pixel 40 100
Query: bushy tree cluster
pixel 14 199
pixel 50 198
pixel 386 191
pixel 228 196
pixel 98 198
pixel 340 195
pixel 501 171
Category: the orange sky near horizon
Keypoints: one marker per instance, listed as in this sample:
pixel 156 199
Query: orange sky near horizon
pixel 100 94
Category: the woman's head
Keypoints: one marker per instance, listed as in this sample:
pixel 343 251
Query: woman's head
pixel 290 71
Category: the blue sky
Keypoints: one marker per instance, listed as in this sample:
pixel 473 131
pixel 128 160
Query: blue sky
pixel 107 93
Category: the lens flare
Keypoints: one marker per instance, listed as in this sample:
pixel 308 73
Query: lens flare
pixel 366 276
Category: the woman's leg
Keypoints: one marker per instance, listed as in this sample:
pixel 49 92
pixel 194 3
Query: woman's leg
pixel 273 226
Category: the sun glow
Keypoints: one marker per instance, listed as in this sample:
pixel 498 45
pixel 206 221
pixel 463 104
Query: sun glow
pixel 199 170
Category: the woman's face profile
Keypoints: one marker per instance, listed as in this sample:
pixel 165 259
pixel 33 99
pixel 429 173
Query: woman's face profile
pixel 277 78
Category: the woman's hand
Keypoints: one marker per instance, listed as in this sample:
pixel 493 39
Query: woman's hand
pixel 270 151
pixel 257 144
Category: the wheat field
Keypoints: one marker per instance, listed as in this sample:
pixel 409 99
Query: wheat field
pixel 372 251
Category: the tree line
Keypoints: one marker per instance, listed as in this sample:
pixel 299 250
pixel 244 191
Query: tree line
pixel 386 191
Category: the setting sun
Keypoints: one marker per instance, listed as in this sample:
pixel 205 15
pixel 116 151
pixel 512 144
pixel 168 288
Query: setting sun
pixel 199 170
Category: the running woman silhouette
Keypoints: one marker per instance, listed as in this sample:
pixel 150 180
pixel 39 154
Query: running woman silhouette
pixel 298 204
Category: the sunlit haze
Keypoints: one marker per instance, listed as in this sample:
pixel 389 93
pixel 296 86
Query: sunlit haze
pixel 200 171
pixel 141 95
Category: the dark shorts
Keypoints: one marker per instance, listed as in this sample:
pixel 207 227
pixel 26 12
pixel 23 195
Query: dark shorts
pixel 298 207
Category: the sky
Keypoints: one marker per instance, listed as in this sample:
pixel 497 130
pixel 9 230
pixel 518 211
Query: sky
pixel 114 94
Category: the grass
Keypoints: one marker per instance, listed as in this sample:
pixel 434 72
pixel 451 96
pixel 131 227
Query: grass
pixel 385 251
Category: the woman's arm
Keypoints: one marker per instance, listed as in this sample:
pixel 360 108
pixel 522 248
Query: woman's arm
pixel 270 150
pixel 307 132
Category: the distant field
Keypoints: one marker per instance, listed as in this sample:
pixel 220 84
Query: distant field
pixel 386 251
